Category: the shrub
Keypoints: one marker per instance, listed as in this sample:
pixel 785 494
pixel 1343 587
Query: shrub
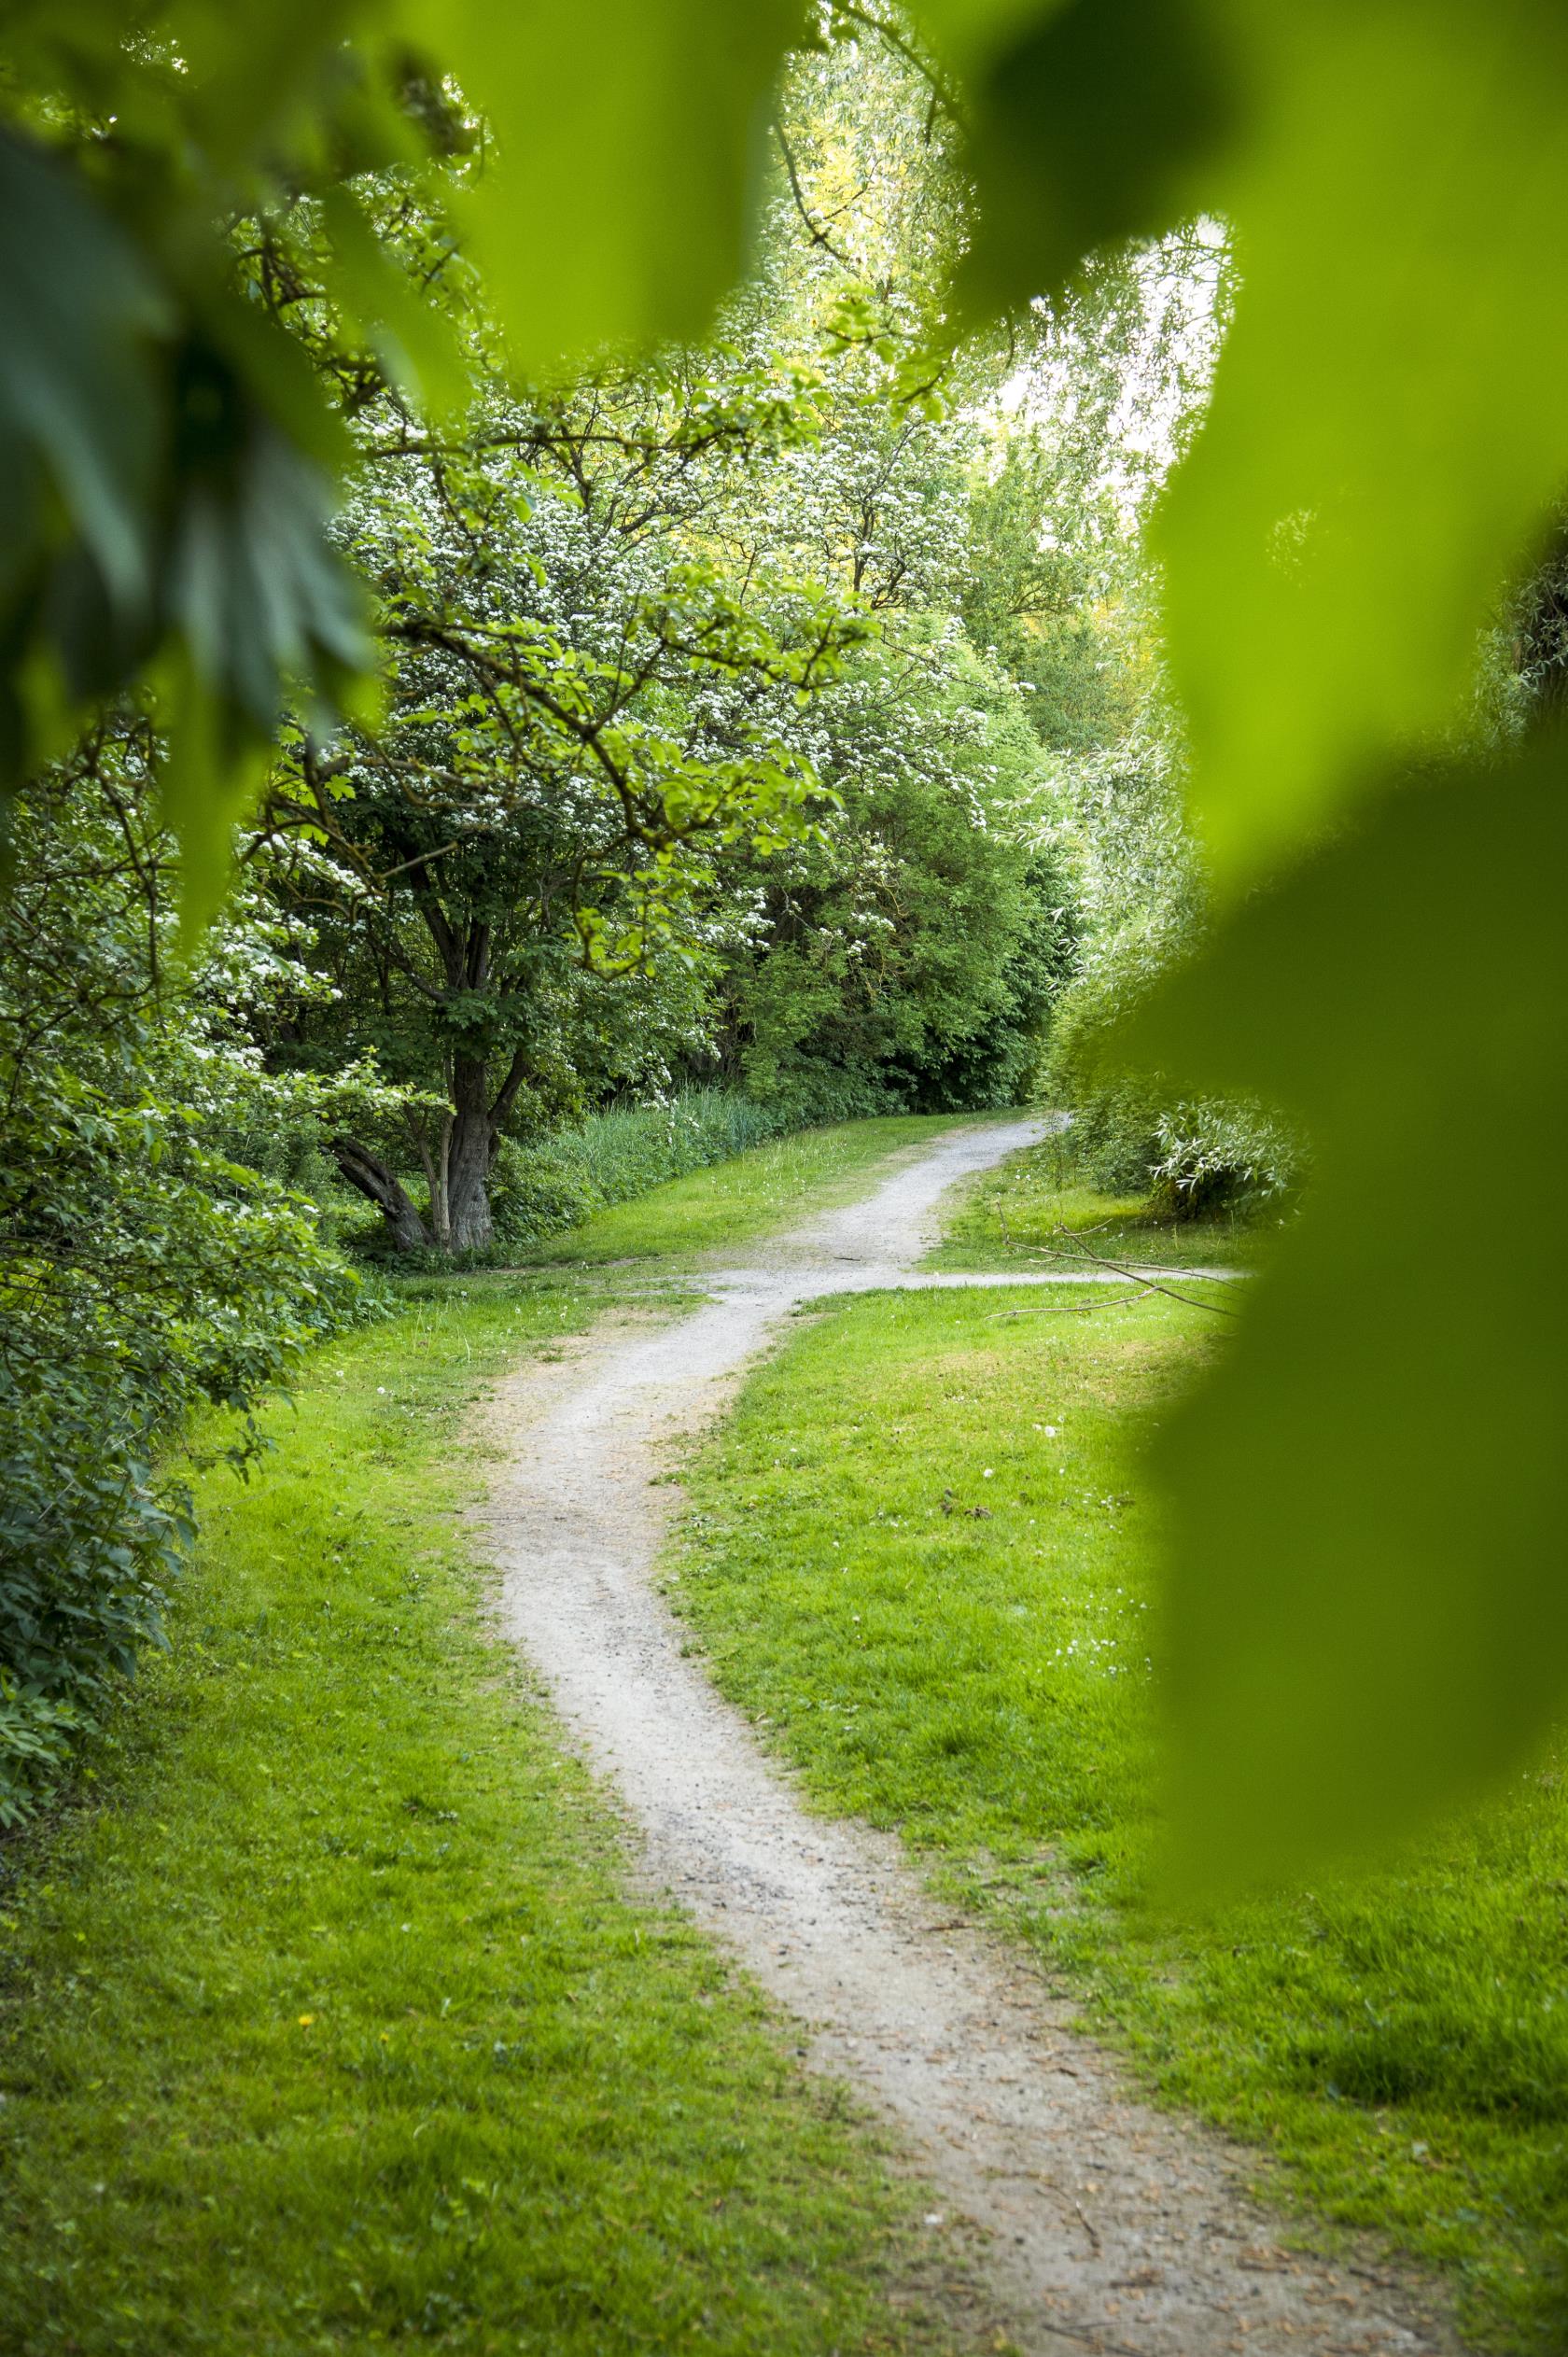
pixel 537 1190
pixel 144 1276
pixel 1129 1134
pixel 1218 1155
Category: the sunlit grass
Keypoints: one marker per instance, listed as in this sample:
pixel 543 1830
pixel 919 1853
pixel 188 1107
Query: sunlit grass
pixel 1031 1214
pixel 327 2022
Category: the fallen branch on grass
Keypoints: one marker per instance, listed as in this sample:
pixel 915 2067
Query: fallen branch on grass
pixel 1073 1246
pixel 1081 1308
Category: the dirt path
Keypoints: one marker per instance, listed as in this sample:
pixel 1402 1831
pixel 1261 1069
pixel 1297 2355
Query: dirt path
pixel 1107 2226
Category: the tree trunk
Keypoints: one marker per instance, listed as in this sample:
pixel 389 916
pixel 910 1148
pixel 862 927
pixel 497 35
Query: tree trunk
pixel 470 1149
pixel 435 1179
pixel 372 1178
pixel 459 1182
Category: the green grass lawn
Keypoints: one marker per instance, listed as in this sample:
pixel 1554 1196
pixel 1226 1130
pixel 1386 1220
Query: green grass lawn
pixel 921 1553
pixel 1013 1217
pixel 327 2023
pixel 728 1203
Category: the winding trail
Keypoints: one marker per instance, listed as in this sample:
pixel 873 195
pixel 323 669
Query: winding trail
pixel 1107 2226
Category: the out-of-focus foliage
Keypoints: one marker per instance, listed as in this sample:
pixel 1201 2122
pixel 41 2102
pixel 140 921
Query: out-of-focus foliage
pixel 1094 126
pixel 1361 1615
pixel 1369 1612
pixel 1379 167
pixel 1384 438
pixel 169 463
pixel 628 147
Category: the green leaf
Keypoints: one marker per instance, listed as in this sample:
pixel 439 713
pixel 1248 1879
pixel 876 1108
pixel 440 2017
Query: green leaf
pixel 1368 1497
pixel 415 345
pixel 1388 423
pixel 614 204
pixel 1387 429
pixel 166 475
pixel 249 71
pixel 210 776
pixel 1090 127
pixel 257 601
pixel 969 33
pixel 78 419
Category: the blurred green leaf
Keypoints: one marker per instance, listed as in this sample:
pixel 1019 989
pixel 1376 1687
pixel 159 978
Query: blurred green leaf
pixel 78 412
pixel 167 476
pixel 415 345
pixel 1368 1496
pixel 1387 432
pixel 255 73
pixel 211 775
pixel 1388 424
pixel 627 139
pixel 254 595
pixel 1093 125
pixel 969 33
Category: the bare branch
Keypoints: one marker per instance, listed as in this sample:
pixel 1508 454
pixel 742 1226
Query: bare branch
pixel 1072 1247
pixel 817 233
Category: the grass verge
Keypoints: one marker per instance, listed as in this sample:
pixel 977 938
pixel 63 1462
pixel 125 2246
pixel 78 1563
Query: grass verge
pixel 1029 1214
pixel 326 2022
pixel 714 1209
pixel 921 1554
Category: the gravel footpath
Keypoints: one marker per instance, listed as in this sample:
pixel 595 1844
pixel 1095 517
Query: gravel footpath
pixel 1104 2224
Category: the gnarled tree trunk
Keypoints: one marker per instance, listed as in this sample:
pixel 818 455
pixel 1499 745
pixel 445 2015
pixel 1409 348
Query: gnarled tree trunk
pixel 459 1182
pixel 459 1177
pixel 370 1175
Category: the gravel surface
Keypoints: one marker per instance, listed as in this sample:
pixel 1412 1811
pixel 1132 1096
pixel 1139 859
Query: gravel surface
pixel 1104 2224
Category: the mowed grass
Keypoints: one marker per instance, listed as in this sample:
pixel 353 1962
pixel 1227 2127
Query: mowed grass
pixel 1030 1212
pixel 729 1203
pixel 327 2023
pixel 922 1554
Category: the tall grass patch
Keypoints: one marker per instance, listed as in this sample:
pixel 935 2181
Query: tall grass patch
pixel 546 1187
